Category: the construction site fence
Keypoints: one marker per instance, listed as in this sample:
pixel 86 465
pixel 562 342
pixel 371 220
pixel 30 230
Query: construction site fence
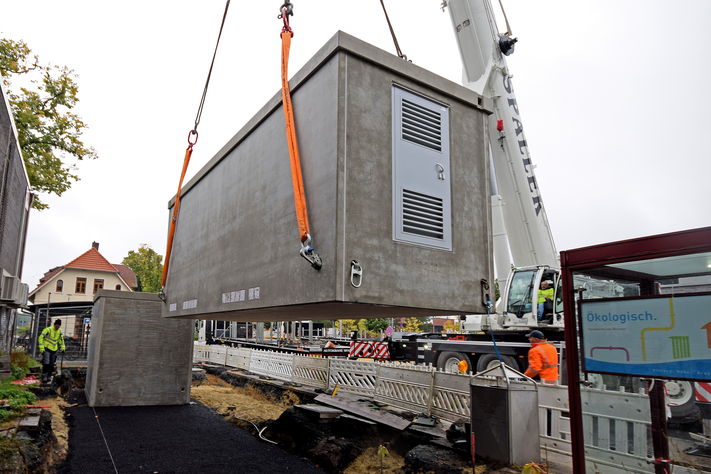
pixel 616 427
pixel 616 423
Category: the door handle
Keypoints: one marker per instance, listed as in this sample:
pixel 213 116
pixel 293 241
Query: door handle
pixel 440 171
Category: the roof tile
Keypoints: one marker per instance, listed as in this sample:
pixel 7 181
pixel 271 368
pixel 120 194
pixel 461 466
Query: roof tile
pixel 91 260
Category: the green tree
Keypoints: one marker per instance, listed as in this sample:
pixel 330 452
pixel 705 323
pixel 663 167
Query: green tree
pixel 148 266
pixel 49 134
pixel 376 325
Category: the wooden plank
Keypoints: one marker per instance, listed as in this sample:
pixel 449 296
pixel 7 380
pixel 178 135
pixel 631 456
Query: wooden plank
pixel 321 411
pixel 31 423
pixel 359 420
pixel 364 412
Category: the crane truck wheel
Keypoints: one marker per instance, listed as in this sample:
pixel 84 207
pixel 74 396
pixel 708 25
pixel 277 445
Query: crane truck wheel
pixel 682 400
pixel 449 361
pixel 488 361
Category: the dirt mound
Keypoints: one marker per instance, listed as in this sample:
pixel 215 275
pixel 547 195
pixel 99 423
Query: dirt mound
pixel 333 445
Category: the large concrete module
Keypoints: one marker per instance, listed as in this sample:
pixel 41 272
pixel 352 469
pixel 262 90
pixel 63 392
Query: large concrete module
pixel 412 211
pixel 137 357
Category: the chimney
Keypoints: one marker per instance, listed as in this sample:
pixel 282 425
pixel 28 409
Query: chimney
pixel 95 245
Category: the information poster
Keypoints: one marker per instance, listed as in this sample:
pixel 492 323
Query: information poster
pixel 654 337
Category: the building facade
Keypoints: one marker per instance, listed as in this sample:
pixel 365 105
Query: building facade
pixel 80 279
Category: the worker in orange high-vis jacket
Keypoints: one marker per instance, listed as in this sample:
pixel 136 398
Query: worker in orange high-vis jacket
pixel 542 358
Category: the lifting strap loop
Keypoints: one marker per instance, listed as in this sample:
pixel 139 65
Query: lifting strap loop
pixel 296 177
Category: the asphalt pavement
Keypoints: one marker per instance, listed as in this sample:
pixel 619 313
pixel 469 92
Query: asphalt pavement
pixel 167 439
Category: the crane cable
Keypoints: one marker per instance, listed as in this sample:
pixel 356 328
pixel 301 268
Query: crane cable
pixel 307 251
pixel 392 32
pixel 186 161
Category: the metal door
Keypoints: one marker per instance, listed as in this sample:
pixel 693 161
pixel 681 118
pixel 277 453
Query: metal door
pixel 421 173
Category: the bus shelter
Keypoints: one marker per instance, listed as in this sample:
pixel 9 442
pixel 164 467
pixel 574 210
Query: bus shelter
pixel 654 330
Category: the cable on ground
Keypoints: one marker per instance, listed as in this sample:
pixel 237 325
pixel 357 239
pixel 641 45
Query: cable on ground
pixel 259 432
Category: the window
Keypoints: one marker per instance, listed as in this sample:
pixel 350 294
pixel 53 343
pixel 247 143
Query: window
pixel 118 287
pixel 81 286
pixel 98 284
pixel 60 286
pixel 520 293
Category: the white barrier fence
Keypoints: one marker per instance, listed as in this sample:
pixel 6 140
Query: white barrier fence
pixel 615 423
pixel 615 427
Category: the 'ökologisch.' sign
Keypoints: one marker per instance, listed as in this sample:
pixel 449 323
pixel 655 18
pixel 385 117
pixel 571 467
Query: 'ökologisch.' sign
pixel 655 337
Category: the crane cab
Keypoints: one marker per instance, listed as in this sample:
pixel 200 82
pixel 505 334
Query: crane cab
pixel 526 303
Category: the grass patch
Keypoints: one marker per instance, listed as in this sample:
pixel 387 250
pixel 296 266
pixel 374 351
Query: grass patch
pixel 17 399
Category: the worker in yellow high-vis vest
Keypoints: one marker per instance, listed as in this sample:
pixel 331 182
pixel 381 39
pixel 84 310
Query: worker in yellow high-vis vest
pixel 50 342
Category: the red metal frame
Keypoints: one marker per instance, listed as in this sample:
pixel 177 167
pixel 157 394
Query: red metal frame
pixel 663 245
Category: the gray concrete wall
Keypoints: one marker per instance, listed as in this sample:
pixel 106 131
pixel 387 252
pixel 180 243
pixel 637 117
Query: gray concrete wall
pixel 15 202
pixel 135 356
pixel 237 227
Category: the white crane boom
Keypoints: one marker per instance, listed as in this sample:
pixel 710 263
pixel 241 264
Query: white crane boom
pixel 486 72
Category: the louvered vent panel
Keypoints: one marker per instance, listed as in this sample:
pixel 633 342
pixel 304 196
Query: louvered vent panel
pixel 421 125
pixel 422 214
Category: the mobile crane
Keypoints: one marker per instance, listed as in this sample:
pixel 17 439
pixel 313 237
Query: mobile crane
pixel 520 226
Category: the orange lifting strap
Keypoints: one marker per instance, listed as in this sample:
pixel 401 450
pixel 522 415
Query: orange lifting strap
pixel 174 220
pixel 296 179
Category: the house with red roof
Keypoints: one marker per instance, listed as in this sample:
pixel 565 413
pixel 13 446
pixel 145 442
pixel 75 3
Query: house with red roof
pixel 80 279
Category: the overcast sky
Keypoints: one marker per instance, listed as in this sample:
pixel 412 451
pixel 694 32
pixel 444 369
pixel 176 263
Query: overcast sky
pixel 613 95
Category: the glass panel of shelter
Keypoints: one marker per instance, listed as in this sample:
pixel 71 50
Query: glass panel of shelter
pixel 626 433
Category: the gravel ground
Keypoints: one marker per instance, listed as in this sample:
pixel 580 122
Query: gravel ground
pixel 167 439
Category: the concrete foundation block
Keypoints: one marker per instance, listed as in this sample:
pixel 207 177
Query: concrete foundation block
pixel 135 356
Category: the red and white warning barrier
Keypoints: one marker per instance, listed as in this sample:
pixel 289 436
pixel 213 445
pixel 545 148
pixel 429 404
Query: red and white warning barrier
pixel 374 350
pixel 703 391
